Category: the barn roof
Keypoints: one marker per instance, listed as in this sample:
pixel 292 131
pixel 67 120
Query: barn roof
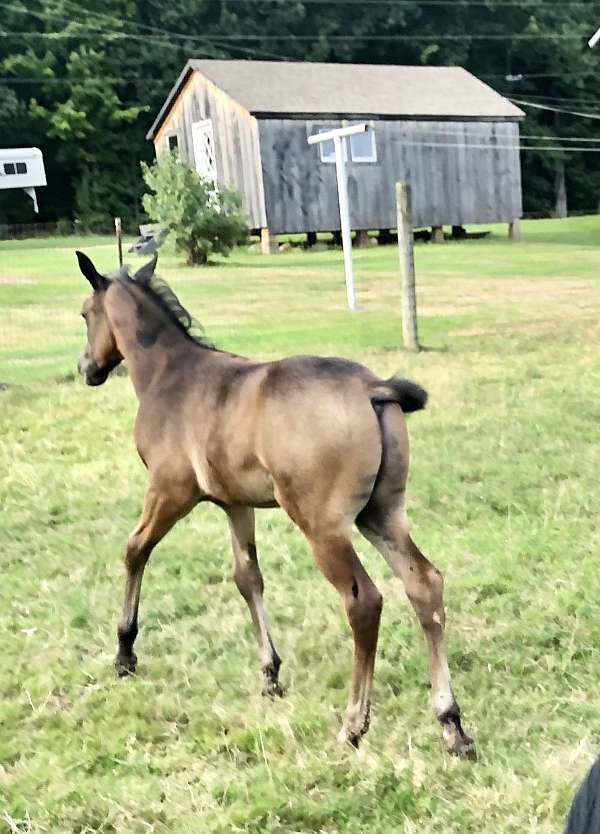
pixel 280 88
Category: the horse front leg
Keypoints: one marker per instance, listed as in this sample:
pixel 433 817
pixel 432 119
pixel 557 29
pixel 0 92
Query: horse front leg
pixel 249 581
pixel 163 506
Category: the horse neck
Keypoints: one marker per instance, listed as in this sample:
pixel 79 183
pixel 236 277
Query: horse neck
pixel 146 337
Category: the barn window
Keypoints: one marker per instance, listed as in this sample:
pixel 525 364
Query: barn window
pixel 362 147
pixel 21 167
pixel 9 168
pixel 327 149
pixel 173 142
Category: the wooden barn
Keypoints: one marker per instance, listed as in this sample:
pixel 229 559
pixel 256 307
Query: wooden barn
pixel 245 124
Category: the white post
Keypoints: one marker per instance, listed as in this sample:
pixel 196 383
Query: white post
pixel 338 138
pixel 342 184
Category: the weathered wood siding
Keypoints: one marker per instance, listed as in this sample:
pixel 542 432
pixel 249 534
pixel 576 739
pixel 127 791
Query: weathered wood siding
pixel 450 185
pixel 237 150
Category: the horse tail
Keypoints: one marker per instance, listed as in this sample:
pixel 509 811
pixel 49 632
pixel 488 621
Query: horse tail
pixel 409 395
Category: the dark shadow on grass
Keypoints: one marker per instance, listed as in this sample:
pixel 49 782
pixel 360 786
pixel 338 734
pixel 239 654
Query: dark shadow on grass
pixel 430 349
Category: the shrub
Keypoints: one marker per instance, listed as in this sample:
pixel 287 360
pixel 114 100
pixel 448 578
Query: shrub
pixel 202 219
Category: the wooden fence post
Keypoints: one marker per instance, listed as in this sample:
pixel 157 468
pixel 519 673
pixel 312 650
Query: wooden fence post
pixel 119 234
pixel 407 266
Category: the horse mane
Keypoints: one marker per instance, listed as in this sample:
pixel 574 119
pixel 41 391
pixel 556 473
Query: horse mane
pixel 164 297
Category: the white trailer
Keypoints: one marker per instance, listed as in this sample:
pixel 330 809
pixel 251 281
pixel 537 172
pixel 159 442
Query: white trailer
pixel 22 168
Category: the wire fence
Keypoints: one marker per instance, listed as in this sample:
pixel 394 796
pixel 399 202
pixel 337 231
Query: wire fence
pixel 23 231
pixel 41 330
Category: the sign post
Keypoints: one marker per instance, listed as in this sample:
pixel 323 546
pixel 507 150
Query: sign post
pixel 338 137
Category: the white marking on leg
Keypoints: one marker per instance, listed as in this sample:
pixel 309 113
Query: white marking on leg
pixel 266 651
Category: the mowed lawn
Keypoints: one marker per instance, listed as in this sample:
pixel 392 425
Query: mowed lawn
pixel 504 498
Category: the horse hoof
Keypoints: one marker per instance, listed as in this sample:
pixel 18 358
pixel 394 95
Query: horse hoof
pixel 350 737
pixel 125 665
pixel 464 748
pixel 273 689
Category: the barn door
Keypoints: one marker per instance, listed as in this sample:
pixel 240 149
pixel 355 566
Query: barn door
pixel 204 149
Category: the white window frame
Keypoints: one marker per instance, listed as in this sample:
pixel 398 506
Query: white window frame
pixel 329 158
pixel 204 126
pixel 362 159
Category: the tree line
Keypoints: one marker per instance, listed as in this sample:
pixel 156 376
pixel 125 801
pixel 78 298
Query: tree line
pixel 84 80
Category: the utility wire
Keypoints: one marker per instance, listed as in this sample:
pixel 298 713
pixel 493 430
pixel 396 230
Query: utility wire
pixel 524 76
pixel 301 38
pixel 411 4
pixel 558 100
pixel 554 109
pixel 494 147
pixel 478 132
pixel 162 34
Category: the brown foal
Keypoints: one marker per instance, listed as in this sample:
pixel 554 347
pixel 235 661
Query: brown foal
pixel 321 437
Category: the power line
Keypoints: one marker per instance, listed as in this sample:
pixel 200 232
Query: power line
pixel 555 109
pixel 494 147
pixel 471 130
pixel 556 101
pixel 298 38
pixel 97 80
pixel 522 76
pixel 475 131
pixel 411 4
pixel 159 38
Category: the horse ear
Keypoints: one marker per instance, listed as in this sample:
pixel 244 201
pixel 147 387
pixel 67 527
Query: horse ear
pixel 88 269
pixel 145 273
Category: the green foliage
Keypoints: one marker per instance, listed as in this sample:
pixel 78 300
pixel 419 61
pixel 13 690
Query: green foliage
pixel 203 221
pixel 89 79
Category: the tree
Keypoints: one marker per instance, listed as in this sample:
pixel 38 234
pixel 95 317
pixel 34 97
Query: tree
pixel 90 77
pixel 202 219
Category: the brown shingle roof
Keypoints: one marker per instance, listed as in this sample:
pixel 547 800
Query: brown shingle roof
pixel 292 88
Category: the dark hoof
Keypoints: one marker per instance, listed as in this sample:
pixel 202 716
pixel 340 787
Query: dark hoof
pixel 273 689
pixel 125 665
pixel 457 742
pixel 464 748
pixel 353 730
pixel 351 737
pixel 467 750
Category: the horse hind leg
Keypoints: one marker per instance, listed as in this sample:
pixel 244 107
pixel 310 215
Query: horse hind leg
pixel 383 522
pixel 338 561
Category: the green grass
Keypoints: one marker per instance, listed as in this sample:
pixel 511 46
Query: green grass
pixel 504 486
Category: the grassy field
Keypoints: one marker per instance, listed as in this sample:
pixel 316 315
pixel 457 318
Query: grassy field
pixel 503 498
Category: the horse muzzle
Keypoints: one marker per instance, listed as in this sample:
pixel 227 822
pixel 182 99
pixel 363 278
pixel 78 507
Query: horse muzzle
pixel 92 373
